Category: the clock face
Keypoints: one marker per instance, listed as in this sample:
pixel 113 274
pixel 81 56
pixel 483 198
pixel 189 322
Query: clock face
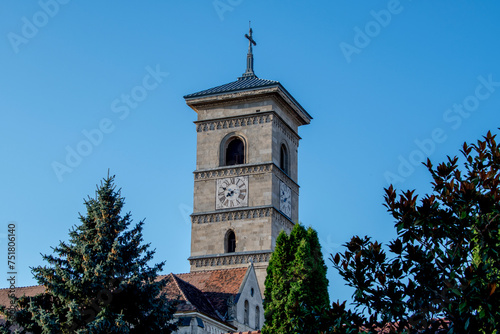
pixel 232 192
pixel 285 199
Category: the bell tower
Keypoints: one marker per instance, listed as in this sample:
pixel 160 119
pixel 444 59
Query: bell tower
pixel 245 182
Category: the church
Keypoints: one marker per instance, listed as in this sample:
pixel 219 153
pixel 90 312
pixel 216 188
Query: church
pixel 245 194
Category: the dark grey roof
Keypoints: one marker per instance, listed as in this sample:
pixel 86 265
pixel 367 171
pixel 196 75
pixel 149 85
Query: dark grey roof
pixel 243 83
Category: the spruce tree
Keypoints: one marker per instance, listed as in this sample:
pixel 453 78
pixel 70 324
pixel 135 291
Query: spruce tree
pixel 296 287
pixel 99 281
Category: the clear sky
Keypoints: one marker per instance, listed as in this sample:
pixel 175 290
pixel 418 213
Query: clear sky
pixel 388 83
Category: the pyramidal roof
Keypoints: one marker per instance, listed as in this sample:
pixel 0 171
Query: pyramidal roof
pixel 246 83
pixel 243 83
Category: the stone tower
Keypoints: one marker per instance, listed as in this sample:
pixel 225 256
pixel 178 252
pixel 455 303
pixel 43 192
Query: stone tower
pixel 245 182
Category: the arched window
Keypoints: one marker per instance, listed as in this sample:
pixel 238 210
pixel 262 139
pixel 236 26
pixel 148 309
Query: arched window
pixel 257 318
pixel 230 242
pixel 284 158
pixel 235 152
pixel 245 319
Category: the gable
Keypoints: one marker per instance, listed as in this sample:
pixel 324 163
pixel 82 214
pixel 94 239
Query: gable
pixel 218 286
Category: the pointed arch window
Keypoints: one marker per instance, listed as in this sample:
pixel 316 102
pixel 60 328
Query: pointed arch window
pixel 230 242
pixel 257 318
pixel 284 158
pixel 235 152
pixel 246 313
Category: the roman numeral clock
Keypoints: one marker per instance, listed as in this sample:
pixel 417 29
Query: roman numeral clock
pixel 232 192
pixel 245 182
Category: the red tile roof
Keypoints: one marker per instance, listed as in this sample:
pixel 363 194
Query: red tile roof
pixel 19 292
pixel 442 326
pixel 188 297
pixel 204 291
pixel 217 285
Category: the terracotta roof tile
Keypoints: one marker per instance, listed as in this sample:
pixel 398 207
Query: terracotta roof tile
pixel 204 291
pixel 442 327
pixel 217 285
pixel 189 298
pixel 19 292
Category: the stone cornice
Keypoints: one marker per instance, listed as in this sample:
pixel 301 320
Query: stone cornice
pixel 278 92
pixel 247 120
pixel 286 179
pixel 229 259
pixel 229 254
pixel 247 169
pixel 242 213
pixel 221 99
pixel 286 130
pixel 212 321
pixel 233 122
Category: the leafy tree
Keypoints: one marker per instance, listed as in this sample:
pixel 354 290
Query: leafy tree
pixel 100 281
pixel 296 292
pixel 443 268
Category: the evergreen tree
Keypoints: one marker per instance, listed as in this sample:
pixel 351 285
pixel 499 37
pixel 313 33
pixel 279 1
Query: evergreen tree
pixel 100 281
pixel 296 288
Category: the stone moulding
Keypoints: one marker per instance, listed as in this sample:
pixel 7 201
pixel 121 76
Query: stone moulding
pixel 229 259
pixel 277 93
pixel 246 170
pixel 233 171
pixel 286 130
pixel 246 120
pixel 233 122
pixel 254 213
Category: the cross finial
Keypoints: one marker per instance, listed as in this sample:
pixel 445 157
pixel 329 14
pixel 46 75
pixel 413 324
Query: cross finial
pixel 249 72
pixel 250 38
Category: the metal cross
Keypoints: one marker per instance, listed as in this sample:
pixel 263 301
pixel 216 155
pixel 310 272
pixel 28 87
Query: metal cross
pixel 249 72
pixel 250 40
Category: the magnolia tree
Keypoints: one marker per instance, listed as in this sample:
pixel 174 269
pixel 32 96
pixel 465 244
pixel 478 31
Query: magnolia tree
pixel 442 272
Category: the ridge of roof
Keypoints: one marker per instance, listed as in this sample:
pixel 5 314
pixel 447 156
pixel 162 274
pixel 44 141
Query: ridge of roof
pixel 196 298
pixel 218 285
pixel 175 278
pixel 23 287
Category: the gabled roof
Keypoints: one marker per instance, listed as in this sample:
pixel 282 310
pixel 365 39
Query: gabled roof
pixel 206 292
pixel 217 285
pixel 243 83
pixel 188 297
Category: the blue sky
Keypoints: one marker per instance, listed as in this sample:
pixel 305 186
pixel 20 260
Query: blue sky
pixel 389 83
